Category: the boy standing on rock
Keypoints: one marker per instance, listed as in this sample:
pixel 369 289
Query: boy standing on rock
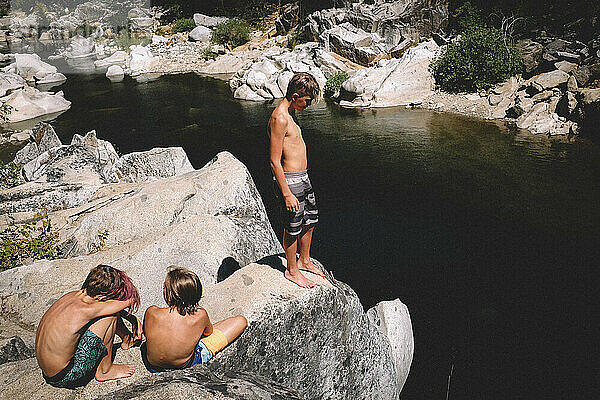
pixel 74 341
pixel 289 164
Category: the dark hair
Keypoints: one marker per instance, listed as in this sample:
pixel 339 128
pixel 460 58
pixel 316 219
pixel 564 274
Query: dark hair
pixel 183 290
pixel 304 84
pixel 112 283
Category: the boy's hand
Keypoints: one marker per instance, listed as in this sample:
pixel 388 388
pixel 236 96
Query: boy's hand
pixel 291 203
pixel 137 330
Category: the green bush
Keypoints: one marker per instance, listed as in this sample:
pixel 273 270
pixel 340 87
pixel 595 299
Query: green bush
pixel 208 54
pixel 125 39
pixel 481 58
pixel 466 17
pixel 171 14
pixel 334 83
pixel 184 25
pixel 33 240
pixel 233 33
pixel 10 175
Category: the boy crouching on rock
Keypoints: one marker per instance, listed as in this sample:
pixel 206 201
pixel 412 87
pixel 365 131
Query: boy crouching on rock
pixel 74 340
pixel 182 335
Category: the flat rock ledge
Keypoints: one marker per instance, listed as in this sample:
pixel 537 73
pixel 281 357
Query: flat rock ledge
pixel 300 343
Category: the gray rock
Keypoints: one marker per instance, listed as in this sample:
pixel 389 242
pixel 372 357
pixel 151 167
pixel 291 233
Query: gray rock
pixel 288 18
pixel 138 12
pixel 582 74
pixel 14 349
pixel 151 165
pixel 44 138
pixel 30 66
pixel 200 33
pixel 542 96
pixel 115 73
pixel 29 103
pixel 392 319
pixel 142 24
pixel 532 54
pixel 494 99
pixel 56 78
pixel 551 79
pixel 80 47
pixel 572 84
pixel 245 92
pixel 208 21
pixel 566 66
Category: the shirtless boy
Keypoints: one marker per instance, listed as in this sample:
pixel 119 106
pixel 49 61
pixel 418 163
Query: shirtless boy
pixel 182 335
pixel 74 341
pixel 289 164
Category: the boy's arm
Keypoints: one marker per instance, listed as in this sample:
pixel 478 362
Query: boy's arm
pixel 136 324
pixel 101 308
pixel 208 326
pixel 278 129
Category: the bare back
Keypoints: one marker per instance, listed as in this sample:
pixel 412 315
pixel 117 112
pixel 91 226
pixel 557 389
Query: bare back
pixel 60 329
pixel 171 337
pixel 284 133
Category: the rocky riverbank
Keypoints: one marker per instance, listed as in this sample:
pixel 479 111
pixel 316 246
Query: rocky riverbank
pixel 145 211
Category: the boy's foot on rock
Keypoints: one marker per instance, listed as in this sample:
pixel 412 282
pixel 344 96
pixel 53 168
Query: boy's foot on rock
pixel 116 371
pixel 310 267
pixel 299 279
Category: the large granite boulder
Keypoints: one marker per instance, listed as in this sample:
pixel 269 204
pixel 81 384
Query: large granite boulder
pixel 80 47
pixel 151 165
pixel 29 103
pixel 31 67
pixel 394 82
pixel 386 23
pixel 117 58
pixel 141 60
pixel 43 138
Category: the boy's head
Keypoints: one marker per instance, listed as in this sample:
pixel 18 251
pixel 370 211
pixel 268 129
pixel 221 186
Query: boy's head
pixel 182 290
pixel 111 284
pixel 302 90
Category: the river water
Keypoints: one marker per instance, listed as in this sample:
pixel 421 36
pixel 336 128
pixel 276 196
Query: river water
pixel 488 235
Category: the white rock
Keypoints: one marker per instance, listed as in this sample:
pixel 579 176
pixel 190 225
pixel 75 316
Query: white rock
pixel 115 73
pixel 56 77
pixel 30 65
pixel 9 82
pixel 29 103
pixel 200 33
pixel 141 59
pixel 208 21
pixel 244 92
pixel 80 47
pixel 117 58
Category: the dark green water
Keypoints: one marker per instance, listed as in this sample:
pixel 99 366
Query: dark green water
pixel 489 236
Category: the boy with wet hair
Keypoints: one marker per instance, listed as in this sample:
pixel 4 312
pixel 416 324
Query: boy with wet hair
pixel 182 335
pixel 74 340
pixel 289 164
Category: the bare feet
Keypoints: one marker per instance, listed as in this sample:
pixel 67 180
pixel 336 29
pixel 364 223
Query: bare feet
pixel 299 279
pixel 310 267
pixel 116 371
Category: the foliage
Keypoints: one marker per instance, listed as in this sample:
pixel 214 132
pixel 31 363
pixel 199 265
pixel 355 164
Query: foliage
pixel 171 14
pixel 32 240
pixel 233 33
pixel 479 59
pixel 100 242
pixel 298 36
pixel 334 83
pixel 183 25
pixel 10 175
pixel 40 10
pixel 466 17
pixel 84 30
pixel 208 54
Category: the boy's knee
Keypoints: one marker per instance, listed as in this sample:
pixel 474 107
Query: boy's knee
pixel 242 321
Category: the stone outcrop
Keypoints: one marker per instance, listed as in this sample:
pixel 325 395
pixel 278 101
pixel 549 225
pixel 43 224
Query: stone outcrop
pixel 403 81
pixel 29 103
pixel 10 82
pixel 208 21
pixel 300 343
pixel 269 76
pixel 361 31
pixel 30 67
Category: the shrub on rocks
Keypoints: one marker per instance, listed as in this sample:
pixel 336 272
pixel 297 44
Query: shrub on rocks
pixel 10 175
pixel 233 33
pixel 33 240
pixel 334 83
pixel 481 58
pixel 183 25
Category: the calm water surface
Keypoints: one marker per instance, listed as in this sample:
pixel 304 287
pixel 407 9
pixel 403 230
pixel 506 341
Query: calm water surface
pixel 489 236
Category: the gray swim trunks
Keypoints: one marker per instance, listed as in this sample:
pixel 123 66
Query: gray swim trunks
pixel 307 213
